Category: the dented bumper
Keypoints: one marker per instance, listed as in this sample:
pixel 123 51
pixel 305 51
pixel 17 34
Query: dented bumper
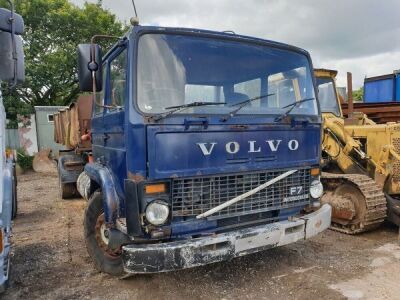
pixel 176 255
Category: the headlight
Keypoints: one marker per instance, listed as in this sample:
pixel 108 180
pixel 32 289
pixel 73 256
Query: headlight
pixel 316 189
pixel 157 212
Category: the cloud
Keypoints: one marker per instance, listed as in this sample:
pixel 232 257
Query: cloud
pixel 350 35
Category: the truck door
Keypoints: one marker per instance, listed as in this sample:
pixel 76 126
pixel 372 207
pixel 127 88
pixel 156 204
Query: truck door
pixel 114 116
pixel 97 118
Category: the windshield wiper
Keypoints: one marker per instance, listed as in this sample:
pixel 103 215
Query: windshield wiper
pixel 177 108
pixel 245 102
pixel 292 106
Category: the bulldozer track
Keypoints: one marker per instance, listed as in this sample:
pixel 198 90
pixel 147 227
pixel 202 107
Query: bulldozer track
pixel 375 201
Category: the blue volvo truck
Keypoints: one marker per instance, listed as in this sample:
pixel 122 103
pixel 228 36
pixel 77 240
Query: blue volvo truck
pixel 205 147
pixel 12 72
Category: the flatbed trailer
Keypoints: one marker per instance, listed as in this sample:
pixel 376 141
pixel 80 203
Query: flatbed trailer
pixel 379 112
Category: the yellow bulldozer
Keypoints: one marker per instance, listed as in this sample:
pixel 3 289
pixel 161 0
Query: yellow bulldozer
pixel 361 163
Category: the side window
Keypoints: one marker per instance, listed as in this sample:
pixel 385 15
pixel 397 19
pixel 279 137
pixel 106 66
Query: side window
pixel 99 105
pixel 118 67
pixel 203 93
pixel 286 88
pixel 242 91
pixel 249 88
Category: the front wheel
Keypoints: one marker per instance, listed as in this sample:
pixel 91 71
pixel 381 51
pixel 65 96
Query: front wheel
pixel 96 238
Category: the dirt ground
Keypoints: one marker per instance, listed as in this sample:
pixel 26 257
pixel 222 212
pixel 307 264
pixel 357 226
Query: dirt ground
pixel 50 262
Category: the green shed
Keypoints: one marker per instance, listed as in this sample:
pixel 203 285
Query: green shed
pixel 45 127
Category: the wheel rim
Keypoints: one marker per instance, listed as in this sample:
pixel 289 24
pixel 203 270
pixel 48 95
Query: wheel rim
pixel 101 233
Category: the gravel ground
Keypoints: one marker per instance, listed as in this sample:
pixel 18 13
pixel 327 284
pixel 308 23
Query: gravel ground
pixel 50 262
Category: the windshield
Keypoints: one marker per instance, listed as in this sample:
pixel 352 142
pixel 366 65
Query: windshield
pixel 175 70
pixel 327 95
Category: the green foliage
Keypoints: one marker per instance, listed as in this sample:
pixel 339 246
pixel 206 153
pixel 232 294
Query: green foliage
pixel 24 160
pixel 15 107
pixel 53 29
pixel 358 95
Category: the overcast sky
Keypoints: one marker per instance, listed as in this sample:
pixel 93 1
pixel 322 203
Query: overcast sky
pixel 361 36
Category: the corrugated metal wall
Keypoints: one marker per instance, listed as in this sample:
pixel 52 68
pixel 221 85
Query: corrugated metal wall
pixel 12 139
pixel 45 127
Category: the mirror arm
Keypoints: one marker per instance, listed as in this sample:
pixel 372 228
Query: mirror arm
pixel 103 37
pixel 93 65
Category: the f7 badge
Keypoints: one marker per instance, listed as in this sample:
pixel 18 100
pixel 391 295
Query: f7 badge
pixel 296 190
pixel 296 193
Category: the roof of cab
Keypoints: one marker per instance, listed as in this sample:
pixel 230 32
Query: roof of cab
pixel 218 34
pixel 228 34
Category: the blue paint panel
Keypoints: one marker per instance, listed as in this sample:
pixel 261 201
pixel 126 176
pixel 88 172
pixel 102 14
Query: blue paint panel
pixel 193 226
pixel 398 87
pixel 174 151
pixel 136 143
pixel 379 91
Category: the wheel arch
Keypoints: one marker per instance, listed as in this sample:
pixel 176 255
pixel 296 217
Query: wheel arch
pixel 101 177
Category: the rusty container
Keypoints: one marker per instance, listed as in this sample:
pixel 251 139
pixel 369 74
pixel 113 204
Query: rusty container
pixel 65 127
pixel 74 132
pixel 84 105
pixel 57 128
pixel 71 123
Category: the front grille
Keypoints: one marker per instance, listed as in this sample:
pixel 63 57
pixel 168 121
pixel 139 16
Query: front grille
pixel 193 196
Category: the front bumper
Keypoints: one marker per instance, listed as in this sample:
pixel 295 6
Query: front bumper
pixel 183 254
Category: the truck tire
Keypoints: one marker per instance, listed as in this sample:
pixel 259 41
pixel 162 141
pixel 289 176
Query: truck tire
pixel 95 232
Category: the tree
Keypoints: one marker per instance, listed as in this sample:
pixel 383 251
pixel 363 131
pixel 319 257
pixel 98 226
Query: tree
pixel 53 29
pixel 358 95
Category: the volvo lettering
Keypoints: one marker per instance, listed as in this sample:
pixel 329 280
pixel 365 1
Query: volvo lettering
pixel 253 147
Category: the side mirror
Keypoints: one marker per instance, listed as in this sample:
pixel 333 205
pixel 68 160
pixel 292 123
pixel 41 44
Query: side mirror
pixel 5 21
pixel 8 67
pixel 89 60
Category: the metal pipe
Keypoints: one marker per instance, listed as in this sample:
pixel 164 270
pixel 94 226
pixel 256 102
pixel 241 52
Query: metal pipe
pixel 350 107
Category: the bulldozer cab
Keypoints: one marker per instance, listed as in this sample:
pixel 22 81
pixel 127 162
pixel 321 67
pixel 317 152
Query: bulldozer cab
pixel 327 93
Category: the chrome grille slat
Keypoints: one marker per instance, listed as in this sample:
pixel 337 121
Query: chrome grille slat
pixel 193 196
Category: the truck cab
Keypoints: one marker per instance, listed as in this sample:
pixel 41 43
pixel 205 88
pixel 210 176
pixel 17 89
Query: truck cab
pixel 12 72
pixel 205 147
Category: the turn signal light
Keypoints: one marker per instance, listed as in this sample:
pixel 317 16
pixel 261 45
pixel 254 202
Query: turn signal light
pixel 155 188
pixel 315 172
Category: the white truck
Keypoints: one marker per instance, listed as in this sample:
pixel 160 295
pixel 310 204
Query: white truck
pixel 11 73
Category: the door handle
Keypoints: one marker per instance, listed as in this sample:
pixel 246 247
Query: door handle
pixel 193 122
